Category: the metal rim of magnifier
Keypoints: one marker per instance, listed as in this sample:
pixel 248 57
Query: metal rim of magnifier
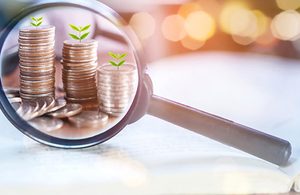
pixel 23 126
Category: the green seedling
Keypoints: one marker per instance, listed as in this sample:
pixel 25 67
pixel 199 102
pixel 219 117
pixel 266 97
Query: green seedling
pixel 36 22
pixel 81 32
pixel 118 59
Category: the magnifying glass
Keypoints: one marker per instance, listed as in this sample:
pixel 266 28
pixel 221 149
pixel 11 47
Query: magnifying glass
pixel 75 86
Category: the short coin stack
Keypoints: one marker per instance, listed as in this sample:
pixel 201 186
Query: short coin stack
pixel 79 70
pixel 37 70
pixel 116 88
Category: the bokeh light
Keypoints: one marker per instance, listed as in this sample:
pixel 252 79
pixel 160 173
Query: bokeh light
pixel 188 8
pixel 243 40
pixel 286 25
pixel 227 15
pixel 173 28
pixel 243 23
pixel 288 4
pixel 262 23
pixel 143 24
pixel 191 44
pixel 200 25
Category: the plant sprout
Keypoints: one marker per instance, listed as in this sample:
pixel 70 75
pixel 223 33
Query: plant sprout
pixel 36 22
pixel 80 30
pixel 118 59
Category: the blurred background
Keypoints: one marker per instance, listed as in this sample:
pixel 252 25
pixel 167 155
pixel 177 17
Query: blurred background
pixel 172 27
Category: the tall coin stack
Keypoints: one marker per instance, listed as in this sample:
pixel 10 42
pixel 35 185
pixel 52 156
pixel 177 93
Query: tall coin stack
pixel 79 71
pixel 37 70
pixel 116 88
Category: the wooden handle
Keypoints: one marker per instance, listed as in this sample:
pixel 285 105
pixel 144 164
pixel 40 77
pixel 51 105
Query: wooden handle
pixel 259 144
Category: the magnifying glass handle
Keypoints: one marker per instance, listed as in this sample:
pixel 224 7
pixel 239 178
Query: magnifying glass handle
pixel 259 144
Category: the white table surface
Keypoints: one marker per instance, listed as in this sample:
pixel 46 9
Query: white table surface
pixel 255 90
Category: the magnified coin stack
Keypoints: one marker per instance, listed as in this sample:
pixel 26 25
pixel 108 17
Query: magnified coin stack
pixel 79 72
pixel 37 70
pixel 116 88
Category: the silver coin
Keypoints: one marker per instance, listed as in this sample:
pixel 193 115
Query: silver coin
pixel 44 28
pixel 59 103
pixel 36 41
pixel 81 99
pixel 112 112
pixel 36 45
pixel 124 101
pixel 92 51
pixel 47 103
pixel 15 100
pixel 41 36
pixel 79 65
pixel 34 113
pixel 115 111
pixel 46 124
pixel 89 119
pixel 36 49
pixel 76 44
pixel 118 86
pixel 12 92
pixel 36 54
pixel 80 61
pixel 109 69
pixel 36 32
pixel 35 58
pixel 112 104
pixel 111 97
pixel 67 111
pixel 27 109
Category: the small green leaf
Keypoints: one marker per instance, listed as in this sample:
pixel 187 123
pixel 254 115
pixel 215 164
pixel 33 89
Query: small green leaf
pixel 113 63
pixel 117 56
pixel 84 36
pixel 112 55
pixel 86 28
pixel 123 56
pixel 38 24
pixel 74 36
pixel 74 27
pixel 121 63
pixel 33 19
pixel 40 19
pixel 33 24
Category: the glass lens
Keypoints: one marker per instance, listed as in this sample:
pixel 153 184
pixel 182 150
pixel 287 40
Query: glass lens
pixel 69 72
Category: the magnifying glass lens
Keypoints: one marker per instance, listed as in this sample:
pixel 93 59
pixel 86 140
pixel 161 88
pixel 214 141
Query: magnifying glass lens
pixel 68 72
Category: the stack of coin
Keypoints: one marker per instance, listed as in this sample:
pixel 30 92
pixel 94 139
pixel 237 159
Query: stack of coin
pixel 37 70
pixel 79 70
pixel 89 119
pixel 116 88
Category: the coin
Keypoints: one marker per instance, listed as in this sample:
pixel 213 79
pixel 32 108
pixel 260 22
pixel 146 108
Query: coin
pixel 83 44
pixel 37 70
pixel 46 124
pixel 59 103
pixel 67 111
pixel 79 62
pixel 40 36
pixel 16 105
pixel 12 92
pixel 89 119
pixel 36 49
pixel 81 99
pixel 44 104
pixel 15 100
pixel 125 69
pixel 28 109
pixel 116 88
